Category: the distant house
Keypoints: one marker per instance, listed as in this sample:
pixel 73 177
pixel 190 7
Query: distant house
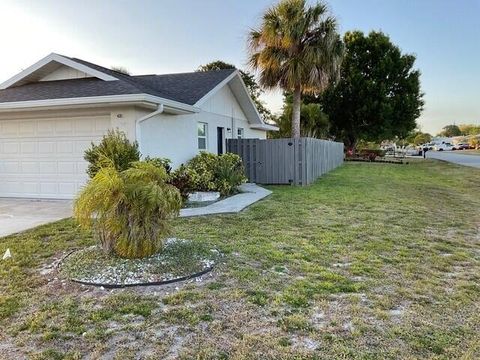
pixel 52 111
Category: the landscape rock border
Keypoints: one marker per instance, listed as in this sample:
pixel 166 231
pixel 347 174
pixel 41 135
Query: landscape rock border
pixel 197 274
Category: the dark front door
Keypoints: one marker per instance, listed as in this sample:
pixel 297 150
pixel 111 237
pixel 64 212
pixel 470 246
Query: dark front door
pixel 220 140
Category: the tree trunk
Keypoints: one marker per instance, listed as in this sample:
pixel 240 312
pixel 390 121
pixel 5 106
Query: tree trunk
pixel 297 100
pixel 351 144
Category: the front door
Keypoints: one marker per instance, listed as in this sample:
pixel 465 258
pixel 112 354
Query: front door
pixel 220 140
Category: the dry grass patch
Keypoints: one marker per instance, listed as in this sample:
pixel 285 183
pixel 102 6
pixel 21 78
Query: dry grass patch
pixel 374 261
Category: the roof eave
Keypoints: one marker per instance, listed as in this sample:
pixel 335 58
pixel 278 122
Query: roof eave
pixel 264 126
pixel 59 59
pixel 131 99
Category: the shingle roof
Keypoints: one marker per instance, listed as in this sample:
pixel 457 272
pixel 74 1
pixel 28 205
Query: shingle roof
pixel 186 88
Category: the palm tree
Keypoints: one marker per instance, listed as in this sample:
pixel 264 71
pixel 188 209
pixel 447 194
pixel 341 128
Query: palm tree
pixel 298 49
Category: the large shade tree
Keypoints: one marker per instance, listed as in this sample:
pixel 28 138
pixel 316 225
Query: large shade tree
pixel 298 49
pixel 378 96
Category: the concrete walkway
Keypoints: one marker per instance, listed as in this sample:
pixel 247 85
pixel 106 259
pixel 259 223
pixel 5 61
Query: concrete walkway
pixel 455 157
pixel 22 214
pixel 250 193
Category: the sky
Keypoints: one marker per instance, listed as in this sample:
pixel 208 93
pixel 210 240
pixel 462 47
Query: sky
pixel 164 36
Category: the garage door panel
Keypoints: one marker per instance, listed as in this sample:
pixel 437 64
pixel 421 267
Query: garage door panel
pixel 8 128
pixel 46 147
pixel 64 128
pixel 47 160
pixel 12 147
pixel 28 167
pixel 47 128
pixel 67 167
pixel 27 128
pixel 28 147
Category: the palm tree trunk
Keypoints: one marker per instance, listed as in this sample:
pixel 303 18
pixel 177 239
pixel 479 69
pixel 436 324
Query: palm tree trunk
pixel 297 100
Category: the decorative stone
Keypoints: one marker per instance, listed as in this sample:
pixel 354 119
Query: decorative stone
pixel 204 196
pixel 7 255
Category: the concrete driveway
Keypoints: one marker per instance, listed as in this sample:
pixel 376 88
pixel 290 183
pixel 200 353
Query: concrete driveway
pixel 21 214
pixel 455 157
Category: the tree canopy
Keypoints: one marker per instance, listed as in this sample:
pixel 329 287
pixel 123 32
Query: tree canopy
pixel 121 69
pixel 451 130
pixel 249 79
pixel 378 96
pixel 314 122
pixel 469 129
pixel 296 48
pixel 422 138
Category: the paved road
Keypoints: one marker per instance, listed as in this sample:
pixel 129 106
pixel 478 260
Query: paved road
pixel 455 157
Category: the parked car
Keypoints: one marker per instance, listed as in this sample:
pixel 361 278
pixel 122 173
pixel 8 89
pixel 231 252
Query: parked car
pixel 461 146
pixel 443 147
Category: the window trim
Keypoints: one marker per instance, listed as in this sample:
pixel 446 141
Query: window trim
pixel 240 133
pixel 205 127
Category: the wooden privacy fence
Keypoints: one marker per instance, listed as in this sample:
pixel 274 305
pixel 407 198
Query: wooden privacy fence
pixel 287 161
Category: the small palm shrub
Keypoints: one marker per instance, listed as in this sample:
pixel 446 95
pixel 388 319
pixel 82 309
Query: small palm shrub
pixel 223 173
pixel 114 149
pixel 130 210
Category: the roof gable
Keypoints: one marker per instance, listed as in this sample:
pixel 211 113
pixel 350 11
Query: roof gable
pixel 50 64
pixel 188 88
pixel 240 91
pixel 65 73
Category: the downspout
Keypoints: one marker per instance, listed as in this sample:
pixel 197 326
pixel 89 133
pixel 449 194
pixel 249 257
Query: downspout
pixel 138 128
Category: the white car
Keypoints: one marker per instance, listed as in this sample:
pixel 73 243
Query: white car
pixel 443 147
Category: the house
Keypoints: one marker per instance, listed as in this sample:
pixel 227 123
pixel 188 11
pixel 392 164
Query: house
pixel 52 111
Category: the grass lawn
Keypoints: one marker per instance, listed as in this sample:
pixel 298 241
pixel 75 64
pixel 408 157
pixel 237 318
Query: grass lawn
pixel 374 261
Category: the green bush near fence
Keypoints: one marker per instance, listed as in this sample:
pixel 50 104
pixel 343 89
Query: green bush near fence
pixel 205 172
pixel 223 173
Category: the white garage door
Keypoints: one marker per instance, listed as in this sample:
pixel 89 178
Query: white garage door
pixel 43 158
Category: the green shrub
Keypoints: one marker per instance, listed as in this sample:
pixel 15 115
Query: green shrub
pixel 114 149
pixel 182 179
pixel 130 210
pixel 371 154
pixel 210 172
pixel 229 173
pixel 160 162
pixel 203 171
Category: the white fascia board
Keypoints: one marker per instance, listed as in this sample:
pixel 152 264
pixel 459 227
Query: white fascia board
pixel 59 59
pixel 264 126
pixel 217 88
pixel 259 117
pixel 113 99
pixel 175 104
pixel 235 74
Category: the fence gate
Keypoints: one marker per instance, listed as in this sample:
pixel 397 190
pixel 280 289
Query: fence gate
pixel 286 161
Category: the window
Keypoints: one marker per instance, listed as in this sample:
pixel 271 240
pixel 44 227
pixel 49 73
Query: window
pixel 240 133
pixel 202 129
